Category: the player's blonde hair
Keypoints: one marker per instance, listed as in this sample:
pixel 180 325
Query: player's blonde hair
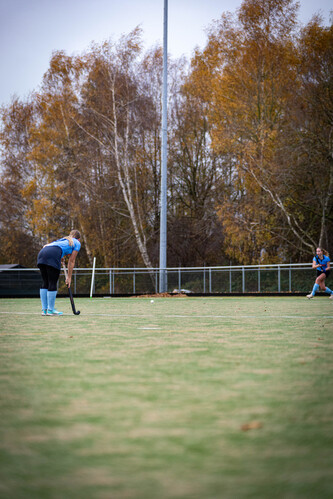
pixel 73 234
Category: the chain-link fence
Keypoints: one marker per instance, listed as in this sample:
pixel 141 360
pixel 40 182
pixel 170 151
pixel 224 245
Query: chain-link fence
pixel 283 278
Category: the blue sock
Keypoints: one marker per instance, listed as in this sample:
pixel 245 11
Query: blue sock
pixel 51 296
pixel 43 298
pixel 315 288
pixel 328 291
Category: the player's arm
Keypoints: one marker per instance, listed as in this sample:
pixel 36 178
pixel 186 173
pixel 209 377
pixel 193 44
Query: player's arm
pixel 71 265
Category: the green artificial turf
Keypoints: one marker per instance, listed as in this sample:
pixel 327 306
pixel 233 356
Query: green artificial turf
pixel 179 398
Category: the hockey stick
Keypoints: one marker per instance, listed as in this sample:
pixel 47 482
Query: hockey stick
pixel 70 293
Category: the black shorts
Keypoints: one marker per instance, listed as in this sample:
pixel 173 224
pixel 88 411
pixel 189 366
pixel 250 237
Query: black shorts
pixel 50 255
pixel 320 272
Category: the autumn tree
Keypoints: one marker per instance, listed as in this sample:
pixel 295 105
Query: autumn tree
pixel 309 138
pixel 195 236
pixel 248 75
pixel 94 151
pixel 49 191
pixel 19 242
pixel 118 113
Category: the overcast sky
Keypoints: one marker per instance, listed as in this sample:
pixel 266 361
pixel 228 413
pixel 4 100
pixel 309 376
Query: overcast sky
pixel 30 30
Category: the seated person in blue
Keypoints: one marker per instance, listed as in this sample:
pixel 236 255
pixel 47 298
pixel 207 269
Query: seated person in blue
pixel 321 262
pixel 49 263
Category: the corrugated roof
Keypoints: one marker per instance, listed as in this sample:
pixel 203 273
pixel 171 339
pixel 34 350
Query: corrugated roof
pixel 8 266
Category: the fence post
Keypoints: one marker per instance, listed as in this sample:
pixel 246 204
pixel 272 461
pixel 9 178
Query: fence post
pixel 230 286
pixel 204 281
pixel 92 287
pixel 259 280
pixel 210 280
pixel 243 279
pixel 134 282
pixel 289 280
pixel 279 279
pixel 179 279
pixel 75 281
pixel 110 281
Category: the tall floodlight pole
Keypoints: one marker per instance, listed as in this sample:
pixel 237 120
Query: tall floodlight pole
pixel 163 211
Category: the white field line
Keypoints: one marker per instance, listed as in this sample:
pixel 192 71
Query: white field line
pixel 262 316
pixel 149 328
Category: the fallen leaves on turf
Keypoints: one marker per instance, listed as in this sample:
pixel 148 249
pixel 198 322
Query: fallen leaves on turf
pixel 253 425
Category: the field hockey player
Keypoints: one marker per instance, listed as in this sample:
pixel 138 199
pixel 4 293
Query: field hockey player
pixel 321 262
pixel 49 262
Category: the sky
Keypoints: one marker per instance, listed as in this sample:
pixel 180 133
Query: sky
pixel 30 30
